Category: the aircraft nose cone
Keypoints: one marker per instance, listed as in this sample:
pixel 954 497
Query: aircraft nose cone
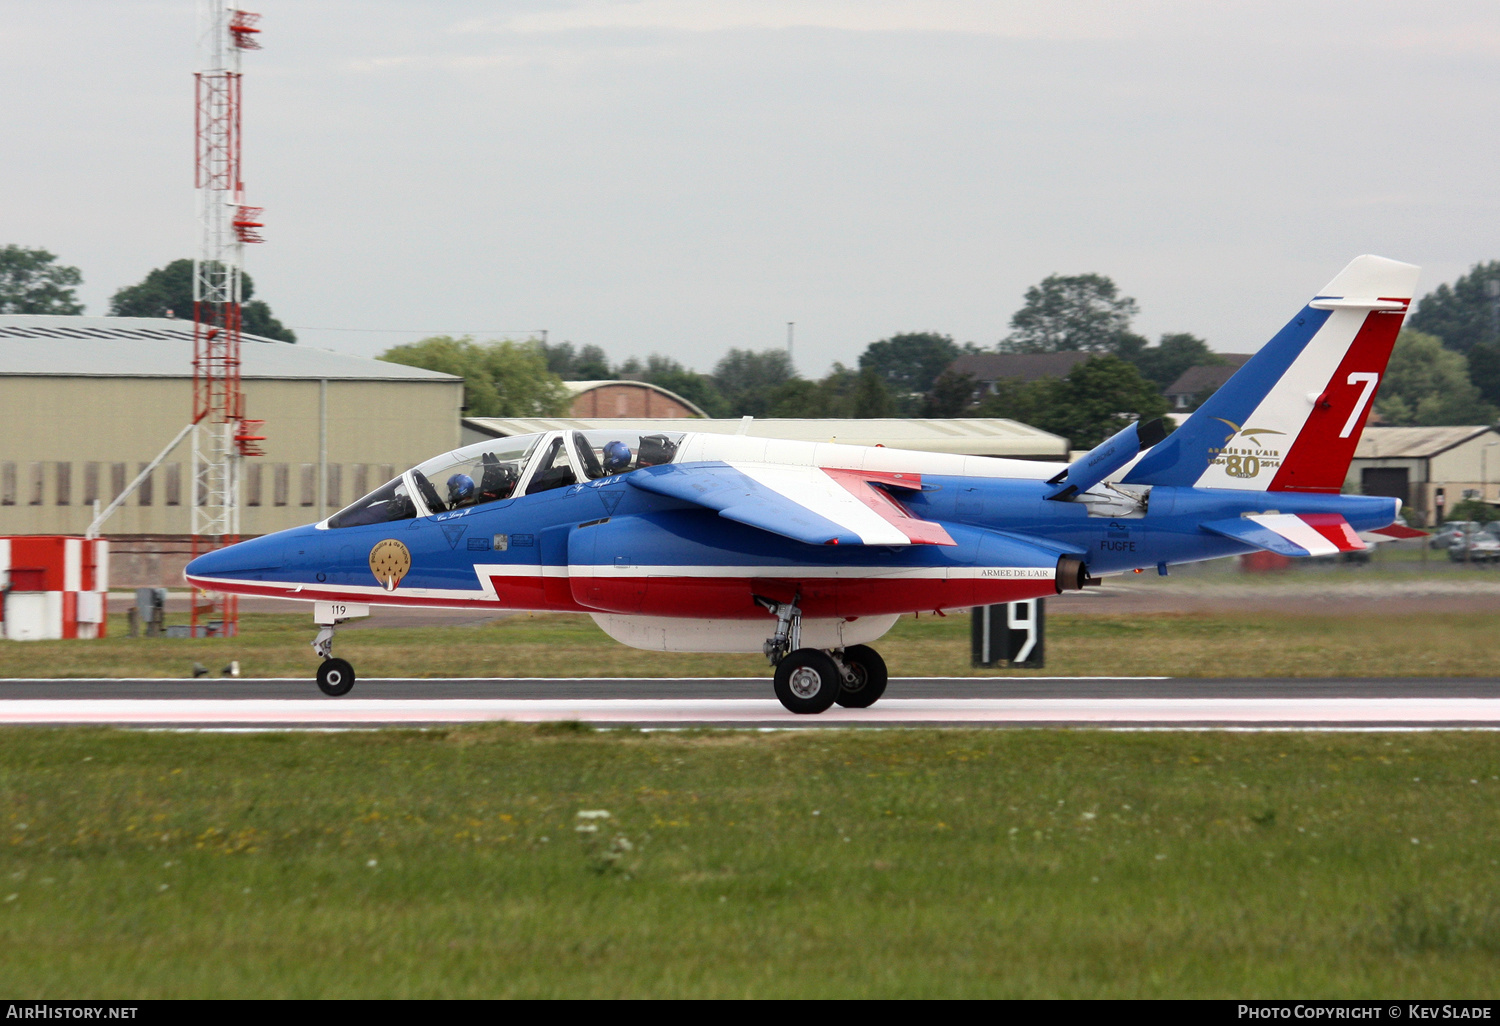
pixel 249 557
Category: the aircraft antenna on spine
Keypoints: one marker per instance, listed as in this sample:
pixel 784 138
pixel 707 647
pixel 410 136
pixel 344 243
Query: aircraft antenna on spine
pixel 222 436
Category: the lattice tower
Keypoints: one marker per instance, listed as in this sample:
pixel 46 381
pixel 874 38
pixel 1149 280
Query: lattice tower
pixel 222 437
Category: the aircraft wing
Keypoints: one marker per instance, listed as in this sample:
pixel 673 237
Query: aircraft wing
pixel 1395 532
pixel 1287 534
pixel 808 504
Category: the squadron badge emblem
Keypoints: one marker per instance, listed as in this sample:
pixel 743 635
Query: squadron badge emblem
pixel 389 562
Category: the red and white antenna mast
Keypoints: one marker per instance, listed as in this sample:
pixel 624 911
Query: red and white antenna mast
pixel 222 436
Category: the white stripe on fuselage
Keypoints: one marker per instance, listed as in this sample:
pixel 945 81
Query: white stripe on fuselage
pixel 822 573
pixel 485 573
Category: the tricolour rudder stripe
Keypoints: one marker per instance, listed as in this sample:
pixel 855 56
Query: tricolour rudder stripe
pixel 1290 418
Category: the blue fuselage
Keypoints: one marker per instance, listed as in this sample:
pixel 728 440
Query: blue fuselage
pixel 608 546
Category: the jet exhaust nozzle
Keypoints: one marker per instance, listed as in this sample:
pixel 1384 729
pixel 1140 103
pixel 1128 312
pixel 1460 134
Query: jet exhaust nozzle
pixel 1073 575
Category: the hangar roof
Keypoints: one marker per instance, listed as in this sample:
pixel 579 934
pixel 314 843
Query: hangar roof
pixel 578 388
pixel 46 345
pixel 975 436
pixel 1389 443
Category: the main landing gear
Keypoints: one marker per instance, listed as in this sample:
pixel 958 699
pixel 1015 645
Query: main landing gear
pixel 810 680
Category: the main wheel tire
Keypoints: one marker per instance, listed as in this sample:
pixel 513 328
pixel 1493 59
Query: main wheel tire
pixel 808 681
pixel 870 677
pixel 335 677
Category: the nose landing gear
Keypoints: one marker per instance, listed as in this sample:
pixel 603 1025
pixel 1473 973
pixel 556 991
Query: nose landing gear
pixel 335 676
pixel 810 680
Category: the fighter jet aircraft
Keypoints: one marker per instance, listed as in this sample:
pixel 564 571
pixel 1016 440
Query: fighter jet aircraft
pixel 809 552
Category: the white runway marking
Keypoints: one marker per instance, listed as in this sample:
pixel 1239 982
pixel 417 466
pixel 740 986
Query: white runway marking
pixel 736 712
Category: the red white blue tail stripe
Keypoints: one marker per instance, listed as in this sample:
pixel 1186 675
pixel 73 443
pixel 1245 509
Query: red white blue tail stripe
pixel 1289 419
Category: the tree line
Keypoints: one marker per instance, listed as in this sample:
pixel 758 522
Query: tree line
pixel 33 282
pixel 1445 368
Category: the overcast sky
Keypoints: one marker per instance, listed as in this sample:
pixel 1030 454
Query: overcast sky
pixel 686 176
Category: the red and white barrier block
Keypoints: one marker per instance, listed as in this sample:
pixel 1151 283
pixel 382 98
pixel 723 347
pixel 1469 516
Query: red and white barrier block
pixel 53 587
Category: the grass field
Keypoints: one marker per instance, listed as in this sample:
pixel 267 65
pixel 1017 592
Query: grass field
pixel 879 863
pixel 1184 645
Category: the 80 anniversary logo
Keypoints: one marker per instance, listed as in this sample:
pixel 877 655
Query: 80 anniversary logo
pixel 1240 462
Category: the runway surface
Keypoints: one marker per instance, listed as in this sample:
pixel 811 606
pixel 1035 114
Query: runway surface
pixel 1241 703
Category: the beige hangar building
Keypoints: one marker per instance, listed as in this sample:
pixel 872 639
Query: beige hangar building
pixel 87 402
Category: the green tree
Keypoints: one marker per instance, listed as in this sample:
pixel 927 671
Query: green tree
pixel 909 363
pixel 798 399
pixel 1484 371
pixel 1463 314
pixel 871 397
pixel 165 291
pixel 951 395
pixel 748 380
pixel 696 388
pixel 256 319
pixel 843 393
pixel 1427 384
pixel 1129 346
pixel 1097 398
pixel 501 379
pixel 168 291
pixel 590 363
pixel 1472 509
pixel 839 389
pixel 1068 313
pixel 1164 362
pixel 31 283
pixel 1029 402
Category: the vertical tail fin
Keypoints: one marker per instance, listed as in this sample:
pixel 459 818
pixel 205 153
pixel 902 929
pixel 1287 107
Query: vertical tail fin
pixel 1289 419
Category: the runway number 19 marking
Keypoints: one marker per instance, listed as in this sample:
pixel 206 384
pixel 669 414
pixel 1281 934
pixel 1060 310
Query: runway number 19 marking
pixel 1021 616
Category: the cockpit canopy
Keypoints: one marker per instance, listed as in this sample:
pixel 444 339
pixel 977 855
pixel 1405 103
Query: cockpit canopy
pixel 503 468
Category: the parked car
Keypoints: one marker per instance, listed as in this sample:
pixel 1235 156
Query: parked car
pixel 1450 533
pixel 1475 547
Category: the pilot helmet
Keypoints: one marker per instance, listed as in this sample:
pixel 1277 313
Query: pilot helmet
pixel 616 456
pixel 460 488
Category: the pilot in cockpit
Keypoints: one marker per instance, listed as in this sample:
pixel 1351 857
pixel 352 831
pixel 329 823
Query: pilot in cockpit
pixel 499 479
pixel 460 491
pixel 616 457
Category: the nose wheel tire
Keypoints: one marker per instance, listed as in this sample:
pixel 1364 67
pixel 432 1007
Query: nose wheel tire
pixel 335 677
pixel 870 678
pixel 808 681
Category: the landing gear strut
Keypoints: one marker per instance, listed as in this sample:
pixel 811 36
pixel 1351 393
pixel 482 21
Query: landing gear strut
pixel 810 680
pixel 335 676
pixel 788 636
